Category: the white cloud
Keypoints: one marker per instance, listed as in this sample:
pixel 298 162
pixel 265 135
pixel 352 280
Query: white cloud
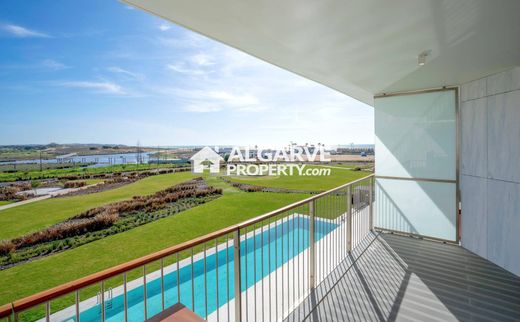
pixel 119 70
pixel 46 64
pixel 186 40
pixel 202 60
pixel 54 65
pixel 200 101
pixel 181 68
pixel 105 87
pixel 203 108
pixel 195 65
pixel 234 100
pixel 22 32
pixel 164 27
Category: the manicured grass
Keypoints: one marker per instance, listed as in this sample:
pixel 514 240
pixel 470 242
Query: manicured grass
pixel 57 173
pixel 227 210
pixel 337 177
pixel 3 202
pixel 27 167
pixel 28 218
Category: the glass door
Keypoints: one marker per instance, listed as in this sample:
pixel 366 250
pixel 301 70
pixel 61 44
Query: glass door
pixel 416 163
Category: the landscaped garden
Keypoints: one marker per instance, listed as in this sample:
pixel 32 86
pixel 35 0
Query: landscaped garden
pixel 103 221
pixel 28 218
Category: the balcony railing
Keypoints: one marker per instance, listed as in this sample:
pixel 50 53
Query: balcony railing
pixel 258 270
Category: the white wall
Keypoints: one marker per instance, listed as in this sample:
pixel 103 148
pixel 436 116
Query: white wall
pixel 490 168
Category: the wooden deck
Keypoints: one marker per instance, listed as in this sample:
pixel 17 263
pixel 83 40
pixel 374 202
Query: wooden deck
pixel 396 278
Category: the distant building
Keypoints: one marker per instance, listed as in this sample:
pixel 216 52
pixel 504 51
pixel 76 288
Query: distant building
pixel 66 157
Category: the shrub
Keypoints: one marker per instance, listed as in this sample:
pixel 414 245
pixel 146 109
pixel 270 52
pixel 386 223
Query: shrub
pixel 246 187
pixel 70 177
pixel 69 228
pixel 9 192
pixel 6 247
pixel 74 184
pixel 23 186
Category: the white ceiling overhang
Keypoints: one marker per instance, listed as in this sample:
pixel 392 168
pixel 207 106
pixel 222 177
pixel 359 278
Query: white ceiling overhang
pixel 361 47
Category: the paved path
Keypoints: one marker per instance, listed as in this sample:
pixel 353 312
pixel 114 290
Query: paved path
pixel 20 203
pixel 50 195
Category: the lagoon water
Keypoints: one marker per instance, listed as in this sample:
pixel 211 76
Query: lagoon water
pixel 98 160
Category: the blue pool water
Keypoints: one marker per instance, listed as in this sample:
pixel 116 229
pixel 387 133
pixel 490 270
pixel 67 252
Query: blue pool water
pixel 295 235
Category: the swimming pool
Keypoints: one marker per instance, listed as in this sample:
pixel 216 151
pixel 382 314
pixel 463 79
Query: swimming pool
pixel 293 234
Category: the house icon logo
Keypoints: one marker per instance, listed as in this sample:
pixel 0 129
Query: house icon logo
pixel 206 159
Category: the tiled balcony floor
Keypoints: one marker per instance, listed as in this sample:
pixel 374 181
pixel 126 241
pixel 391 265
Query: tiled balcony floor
pixel 396 278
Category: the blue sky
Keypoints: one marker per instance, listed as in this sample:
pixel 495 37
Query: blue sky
pixel 98 71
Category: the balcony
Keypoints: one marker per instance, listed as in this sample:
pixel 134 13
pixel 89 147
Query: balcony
pixel 317 259
pixel 392 277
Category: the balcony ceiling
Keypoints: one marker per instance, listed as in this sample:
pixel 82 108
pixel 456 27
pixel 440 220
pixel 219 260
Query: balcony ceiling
pixel 361 47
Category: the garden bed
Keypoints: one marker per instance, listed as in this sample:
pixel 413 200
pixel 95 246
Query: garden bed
pixel 104 221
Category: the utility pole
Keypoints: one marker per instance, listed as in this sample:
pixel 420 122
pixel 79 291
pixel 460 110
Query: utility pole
pixel 158 156
pixel 138 152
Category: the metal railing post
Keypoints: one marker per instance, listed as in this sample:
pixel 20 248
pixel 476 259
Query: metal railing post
pixel 349 219
pixel 76 304
pixel 238 282
pixel 47 311
pixel 145 294
pixel 312 248
pixel 103 301
pixel 371 204
pixel 125 304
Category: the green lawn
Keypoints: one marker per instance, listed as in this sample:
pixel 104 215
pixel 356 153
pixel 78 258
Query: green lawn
pixel 337 177
pixel 28 167
pixel 28 218
pixel 4 202
pixel 56 173
pixel 229 209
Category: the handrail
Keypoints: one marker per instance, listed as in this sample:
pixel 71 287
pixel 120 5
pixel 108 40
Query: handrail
pixel 5 310
pixel 67 288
